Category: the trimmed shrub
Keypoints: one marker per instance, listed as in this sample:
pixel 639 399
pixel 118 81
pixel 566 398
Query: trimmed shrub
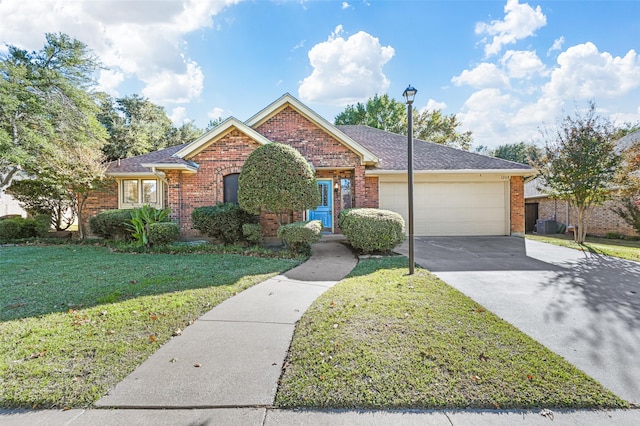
pixel 19 228
pixel 372 230
pixel 163 232
pixel 276 178
pixel 37 226
pixel 300 235
pixel 223 221
pixel 112 224
pixel 10 229
pixel 252 233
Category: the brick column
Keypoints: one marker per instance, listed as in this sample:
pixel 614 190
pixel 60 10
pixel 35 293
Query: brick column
pixel 516 197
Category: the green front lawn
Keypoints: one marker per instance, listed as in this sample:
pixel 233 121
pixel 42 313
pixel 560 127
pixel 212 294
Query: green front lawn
pixel 624 249
pixel 383 339
pixel 75 320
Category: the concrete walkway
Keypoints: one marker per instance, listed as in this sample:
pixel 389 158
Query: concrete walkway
pixel 233 355
pixel 239 348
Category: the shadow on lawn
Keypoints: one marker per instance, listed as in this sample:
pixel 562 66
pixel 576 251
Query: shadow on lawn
pixel 47 279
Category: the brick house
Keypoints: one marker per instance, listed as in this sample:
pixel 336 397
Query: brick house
pixel 601 220
pixel 456 192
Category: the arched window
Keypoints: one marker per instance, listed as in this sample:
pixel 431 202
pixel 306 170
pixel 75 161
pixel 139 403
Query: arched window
pixel 230 183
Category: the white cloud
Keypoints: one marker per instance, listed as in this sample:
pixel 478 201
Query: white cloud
pixel 109 80
pixel 170 87
pixel 178 115
pixel 557 45
pixel 520 21
pixel 215 113
pixel 345 5
pixel 483 76
pixel 583 72
pixel 522 63
pixel 346 70
pixel 141 39
pixel 433 105
pixel 486 113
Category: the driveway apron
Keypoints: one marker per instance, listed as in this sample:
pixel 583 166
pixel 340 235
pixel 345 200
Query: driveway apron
pixel 232 356
pixel 583 306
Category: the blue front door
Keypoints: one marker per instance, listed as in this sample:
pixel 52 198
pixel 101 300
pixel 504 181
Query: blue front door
pixel 324 211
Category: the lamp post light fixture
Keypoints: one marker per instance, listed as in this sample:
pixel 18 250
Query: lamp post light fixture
pixel 410 94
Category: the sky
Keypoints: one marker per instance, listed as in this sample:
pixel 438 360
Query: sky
pixel 506 68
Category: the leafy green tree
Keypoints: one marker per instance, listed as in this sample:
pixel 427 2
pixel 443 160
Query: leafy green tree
pixel 629 186
pixel 188 132
pixel 381 112
pixel 436 127
pixel 520 152
pixel 385 113
pixel 136 126
pixel 46 198
pixel 45 99
pixel 276 178
pixel 580 163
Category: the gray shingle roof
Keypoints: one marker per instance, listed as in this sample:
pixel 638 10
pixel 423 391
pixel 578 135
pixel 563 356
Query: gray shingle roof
pixel 627 142
pixel 134 164
pixel 391 149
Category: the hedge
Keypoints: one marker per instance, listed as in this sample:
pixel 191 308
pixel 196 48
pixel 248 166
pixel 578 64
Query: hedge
pixel 252 233
pixel 300 235
pixel 20 228
pixel 372 230
pixel 223 221
pixel 112 224
pixel 163 232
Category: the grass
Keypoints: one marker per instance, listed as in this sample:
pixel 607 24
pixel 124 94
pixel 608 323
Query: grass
pixel 75 320
pixel 383 339
pixel 624 249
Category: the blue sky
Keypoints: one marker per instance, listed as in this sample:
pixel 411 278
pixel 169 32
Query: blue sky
pixel 505 67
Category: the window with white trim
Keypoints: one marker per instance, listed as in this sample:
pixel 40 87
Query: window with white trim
pixel 139 192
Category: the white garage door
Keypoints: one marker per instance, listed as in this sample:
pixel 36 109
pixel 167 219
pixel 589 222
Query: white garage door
pixel 451 208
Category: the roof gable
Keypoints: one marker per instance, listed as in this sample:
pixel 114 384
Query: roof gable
pixel 286 100
pixel 217 133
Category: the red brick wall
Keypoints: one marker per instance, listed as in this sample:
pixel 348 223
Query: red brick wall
pixel 99 201
pixel 205 188
pixel 517 205
pixel 371 193
pixel 600 219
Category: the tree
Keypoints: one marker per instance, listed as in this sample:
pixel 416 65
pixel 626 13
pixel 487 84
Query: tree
pixel 48 124
pixel 520 152
pixel 136 126
pixel 436 127
pixel 381 112
pixel 276 178
pixel 47 198
pixel 44 98
pixel 629 183
pixel 580 163
pixel 385 113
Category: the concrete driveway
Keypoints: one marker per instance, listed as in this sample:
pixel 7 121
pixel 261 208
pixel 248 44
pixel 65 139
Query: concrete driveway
pixel 583 306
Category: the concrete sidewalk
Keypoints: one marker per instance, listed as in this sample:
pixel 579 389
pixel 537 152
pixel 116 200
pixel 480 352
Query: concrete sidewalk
pixel 233 355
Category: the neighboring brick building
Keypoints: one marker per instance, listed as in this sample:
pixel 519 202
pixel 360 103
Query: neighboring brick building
pixel 601 220
pixel 456 192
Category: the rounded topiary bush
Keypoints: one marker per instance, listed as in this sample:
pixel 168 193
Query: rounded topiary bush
pixel 372 230
pixel 300 235
pixel 10 229
pixel 112 224
pixel 163 232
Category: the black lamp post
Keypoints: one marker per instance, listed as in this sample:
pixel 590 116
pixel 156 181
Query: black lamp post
pixel 410 94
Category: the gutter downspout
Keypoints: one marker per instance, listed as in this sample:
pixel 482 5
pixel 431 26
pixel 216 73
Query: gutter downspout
pixel 163 178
